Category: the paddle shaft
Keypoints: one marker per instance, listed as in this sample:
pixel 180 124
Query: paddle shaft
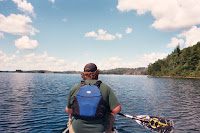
pixel 129 116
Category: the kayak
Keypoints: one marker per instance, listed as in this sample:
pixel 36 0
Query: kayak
pixel 67 130
pixel 154 123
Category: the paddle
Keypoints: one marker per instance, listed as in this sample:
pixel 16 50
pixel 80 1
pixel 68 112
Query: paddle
pixel 153 123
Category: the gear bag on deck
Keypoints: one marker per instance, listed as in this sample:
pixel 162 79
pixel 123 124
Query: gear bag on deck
pixel 88 103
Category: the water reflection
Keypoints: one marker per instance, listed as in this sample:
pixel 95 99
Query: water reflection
pixel 15 99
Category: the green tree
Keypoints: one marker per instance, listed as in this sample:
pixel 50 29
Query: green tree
pixel 183 63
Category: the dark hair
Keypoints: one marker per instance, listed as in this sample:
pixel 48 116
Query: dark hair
pixel 90 75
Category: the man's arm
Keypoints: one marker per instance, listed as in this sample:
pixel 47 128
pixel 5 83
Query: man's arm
pixel 116 109
pixel 68 110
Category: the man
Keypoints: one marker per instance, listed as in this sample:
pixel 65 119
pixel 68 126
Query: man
pixel 97 124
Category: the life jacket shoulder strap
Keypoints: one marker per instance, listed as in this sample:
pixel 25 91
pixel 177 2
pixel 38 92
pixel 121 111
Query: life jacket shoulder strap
pixel 83 83
pixel 98 83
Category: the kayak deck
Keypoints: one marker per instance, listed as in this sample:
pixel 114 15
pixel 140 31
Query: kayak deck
pixel 67 130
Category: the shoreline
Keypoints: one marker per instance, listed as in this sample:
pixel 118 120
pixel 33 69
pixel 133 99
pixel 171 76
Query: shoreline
pixel 72 72
pixel 173 77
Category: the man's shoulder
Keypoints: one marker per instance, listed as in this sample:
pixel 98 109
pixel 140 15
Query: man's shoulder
pixel 76 87
pixel 105 87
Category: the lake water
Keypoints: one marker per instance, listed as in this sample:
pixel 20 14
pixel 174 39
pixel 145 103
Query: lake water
pixel 36 102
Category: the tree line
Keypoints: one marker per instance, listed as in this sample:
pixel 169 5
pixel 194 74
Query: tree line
pixel 180 63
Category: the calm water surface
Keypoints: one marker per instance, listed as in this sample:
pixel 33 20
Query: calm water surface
pixel 36 102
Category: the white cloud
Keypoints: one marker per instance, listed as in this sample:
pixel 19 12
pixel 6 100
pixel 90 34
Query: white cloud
pixel 151 58
pixel 104 36
pixel 34 62
pixel 101 35
pixel 5 60
pixel 91 34
pixel 1 35
pixel 24 6
pixel 24 43
pixel 17 25
pixel 74 66
pixel 128 30
pixel 192 36
pixel 169 14
pixel 115 59
pixel 116 62
pixel 175 42
pixel 101 32
pixel 119 35
pixel 53 1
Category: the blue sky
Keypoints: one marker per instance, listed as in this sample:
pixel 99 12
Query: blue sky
pixel 62 35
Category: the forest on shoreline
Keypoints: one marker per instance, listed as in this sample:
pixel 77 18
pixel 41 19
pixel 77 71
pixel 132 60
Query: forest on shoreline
pixel 180 63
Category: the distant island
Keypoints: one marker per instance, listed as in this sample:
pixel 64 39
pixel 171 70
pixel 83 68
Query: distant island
pixel 180 63
pixel 118 71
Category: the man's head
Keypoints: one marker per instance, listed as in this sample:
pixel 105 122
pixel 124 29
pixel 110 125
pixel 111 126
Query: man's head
pixel 90 71
pixel 90 67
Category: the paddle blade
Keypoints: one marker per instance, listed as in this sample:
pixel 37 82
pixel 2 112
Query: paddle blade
pixel 157 124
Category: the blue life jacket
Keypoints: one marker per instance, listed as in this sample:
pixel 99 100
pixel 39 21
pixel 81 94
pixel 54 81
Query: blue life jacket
pixel 88 103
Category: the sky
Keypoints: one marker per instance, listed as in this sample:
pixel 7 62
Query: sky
pixel 63 35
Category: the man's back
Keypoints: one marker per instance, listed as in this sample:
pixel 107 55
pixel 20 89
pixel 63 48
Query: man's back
pixel 99 125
